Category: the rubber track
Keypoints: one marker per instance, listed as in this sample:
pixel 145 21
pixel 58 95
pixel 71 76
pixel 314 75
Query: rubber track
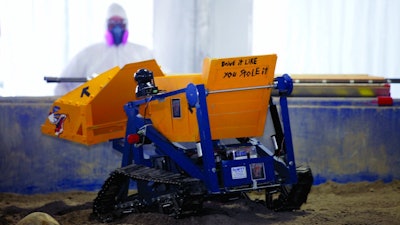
pixel 107 198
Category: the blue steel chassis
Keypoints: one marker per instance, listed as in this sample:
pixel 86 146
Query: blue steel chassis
pixel 209 172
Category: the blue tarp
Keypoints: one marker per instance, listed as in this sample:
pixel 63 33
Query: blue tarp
pixel 342 140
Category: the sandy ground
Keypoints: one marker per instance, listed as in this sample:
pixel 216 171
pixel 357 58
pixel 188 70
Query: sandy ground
pixel 329 203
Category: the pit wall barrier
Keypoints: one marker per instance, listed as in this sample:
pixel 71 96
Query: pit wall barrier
pixel 341 139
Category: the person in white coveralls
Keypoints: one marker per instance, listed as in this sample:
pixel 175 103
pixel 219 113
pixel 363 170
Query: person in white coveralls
pixel 100 57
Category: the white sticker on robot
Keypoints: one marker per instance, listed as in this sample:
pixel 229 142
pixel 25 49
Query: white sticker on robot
pixel 238 172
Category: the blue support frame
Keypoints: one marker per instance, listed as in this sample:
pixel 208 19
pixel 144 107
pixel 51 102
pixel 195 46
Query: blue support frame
pixel 288 140
pixel 285 87
pixel 197 95
pixel 206 141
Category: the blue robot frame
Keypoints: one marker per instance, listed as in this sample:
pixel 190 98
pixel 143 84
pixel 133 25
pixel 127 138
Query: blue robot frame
pixel 216 175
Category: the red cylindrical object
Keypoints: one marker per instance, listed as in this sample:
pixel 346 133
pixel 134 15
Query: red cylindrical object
pixel 385 101
pixel 133 138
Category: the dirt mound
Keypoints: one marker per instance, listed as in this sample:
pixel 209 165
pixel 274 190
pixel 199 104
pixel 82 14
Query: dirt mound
pixel 329 203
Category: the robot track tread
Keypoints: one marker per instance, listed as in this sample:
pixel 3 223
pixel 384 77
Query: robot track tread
pixel 111 201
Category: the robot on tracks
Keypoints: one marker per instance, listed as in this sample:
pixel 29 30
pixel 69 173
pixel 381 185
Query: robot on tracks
pixel 187 138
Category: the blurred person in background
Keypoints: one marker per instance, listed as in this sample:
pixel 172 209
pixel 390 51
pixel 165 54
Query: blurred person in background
pixel 100 57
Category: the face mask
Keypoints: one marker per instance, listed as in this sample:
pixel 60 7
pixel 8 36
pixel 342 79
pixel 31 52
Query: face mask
pixel 116 33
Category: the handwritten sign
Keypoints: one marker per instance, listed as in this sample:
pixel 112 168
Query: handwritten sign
pixel 241 71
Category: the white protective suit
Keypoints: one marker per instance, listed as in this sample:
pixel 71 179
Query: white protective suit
pixel 101 57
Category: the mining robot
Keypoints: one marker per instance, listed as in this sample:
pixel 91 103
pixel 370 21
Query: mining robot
pixel 187 138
